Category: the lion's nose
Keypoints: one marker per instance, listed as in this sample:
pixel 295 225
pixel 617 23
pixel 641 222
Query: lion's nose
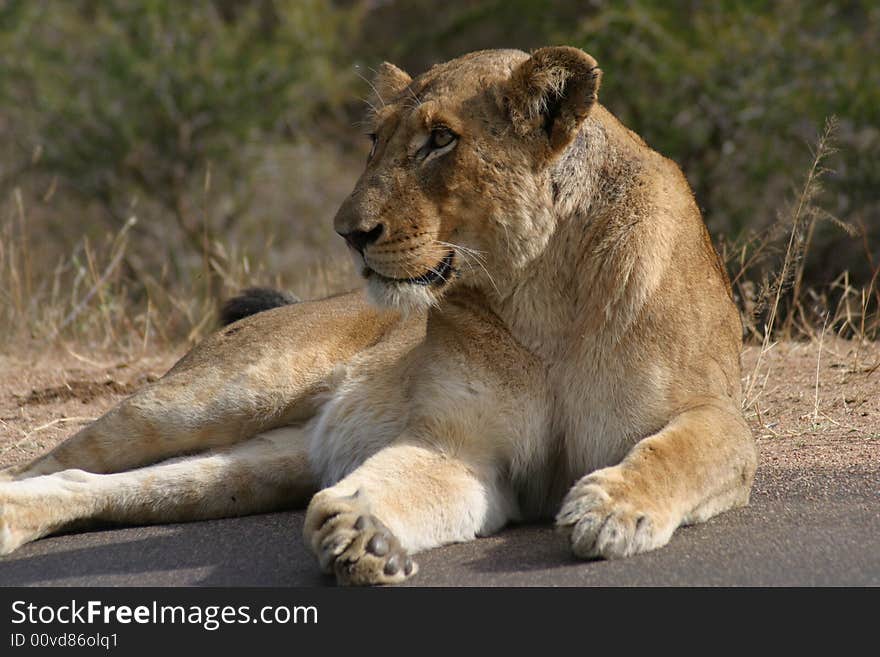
pixel 360 239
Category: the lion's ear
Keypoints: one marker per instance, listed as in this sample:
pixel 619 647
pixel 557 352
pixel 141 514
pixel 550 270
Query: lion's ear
pixel 389 81
pixel 552 93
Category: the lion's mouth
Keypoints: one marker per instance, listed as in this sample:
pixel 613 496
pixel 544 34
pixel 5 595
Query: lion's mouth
pixel 439 273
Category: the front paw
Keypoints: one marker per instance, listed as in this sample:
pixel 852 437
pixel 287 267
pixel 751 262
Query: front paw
pixel 354 544
pixel 607 517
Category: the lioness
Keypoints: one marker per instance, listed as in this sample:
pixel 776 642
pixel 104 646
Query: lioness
pixel 546 329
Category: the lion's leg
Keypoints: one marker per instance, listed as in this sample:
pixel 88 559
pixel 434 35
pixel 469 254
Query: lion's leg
pixel 404 499
pixel 167 419
pixel 263 372
pixel 268 472
pixel 700 464
pixel 159 422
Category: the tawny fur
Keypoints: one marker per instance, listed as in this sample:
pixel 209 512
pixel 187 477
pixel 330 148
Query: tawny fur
pixel 578 358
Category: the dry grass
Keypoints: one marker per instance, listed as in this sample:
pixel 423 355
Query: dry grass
pixel 767 269
pixel 807 313
pixel 53 393
pixel 140 288
pixel 815 388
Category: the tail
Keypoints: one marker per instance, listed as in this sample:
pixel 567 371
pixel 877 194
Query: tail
pixel 253 300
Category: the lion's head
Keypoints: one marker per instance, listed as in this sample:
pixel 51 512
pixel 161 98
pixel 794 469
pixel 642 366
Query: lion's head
pixel 457 187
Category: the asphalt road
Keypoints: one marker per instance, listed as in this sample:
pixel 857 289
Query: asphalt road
pixel 816 527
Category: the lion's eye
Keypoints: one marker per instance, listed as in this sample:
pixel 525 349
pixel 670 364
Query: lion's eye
pixel 373 139
pixel 441 137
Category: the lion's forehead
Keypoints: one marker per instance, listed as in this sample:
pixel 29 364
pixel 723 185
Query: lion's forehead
pixel 498 62
pixel 463 78
pixel 453 90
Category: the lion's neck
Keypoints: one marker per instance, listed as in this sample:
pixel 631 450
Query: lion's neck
pixel 569 288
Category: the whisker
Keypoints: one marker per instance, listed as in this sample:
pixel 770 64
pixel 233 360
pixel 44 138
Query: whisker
pixel 372 107
pixel 437 274
pixel 479 256
pixel 372 86
pixel 461 247
pixel 416 100
pixel 471 255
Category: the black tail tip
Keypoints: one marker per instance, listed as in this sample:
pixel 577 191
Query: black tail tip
pixel 251 301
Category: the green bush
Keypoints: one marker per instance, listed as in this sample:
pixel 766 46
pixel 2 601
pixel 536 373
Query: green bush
pixel 151 101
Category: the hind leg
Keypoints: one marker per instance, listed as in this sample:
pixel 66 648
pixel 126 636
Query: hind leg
pixel 175 416
pixel 263 372
pixel 182 413
pixel 266 473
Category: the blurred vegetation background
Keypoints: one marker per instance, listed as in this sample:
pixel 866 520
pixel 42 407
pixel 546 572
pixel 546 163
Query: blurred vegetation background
pixel 157 155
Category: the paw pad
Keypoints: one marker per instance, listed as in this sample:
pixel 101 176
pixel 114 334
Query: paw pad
pixel 354 545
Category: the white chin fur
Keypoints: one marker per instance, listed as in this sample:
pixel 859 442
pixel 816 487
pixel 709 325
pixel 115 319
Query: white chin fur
pixel 405 297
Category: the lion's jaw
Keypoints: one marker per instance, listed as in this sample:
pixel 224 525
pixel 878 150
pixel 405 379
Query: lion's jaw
pixel 411 294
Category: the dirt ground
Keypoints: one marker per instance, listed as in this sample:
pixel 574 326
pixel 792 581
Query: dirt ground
pixel 45 397
pixel 813 406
